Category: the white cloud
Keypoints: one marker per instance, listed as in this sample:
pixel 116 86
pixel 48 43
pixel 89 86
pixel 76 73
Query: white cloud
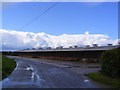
pixel 60 0
pixel 20 40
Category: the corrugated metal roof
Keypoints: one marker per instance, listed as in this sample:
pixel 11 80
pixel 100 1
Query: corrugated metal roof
pixel 73 49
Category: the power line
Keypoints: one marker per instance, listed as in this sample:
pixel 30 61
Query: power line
pixel 38 16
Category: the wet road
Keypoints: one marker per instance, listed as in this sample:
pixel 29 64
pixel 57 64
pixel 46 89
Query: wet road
pixel 31 73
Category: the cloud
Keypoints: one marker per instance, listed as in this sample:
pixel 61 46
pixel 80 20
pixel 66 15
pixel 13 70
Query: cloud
pixel 16 40
pixel 60 0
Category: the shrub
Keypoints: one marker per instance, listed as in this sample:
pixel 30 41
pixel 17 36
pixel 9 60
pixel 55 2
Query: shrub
pixel 110 63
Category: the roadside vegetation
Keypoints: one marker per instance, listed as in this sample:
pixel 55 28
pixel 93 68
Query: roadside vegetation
pixel 8 66
pixel 110 63
pixel 99 77
pixel 0 66
pixel 110 69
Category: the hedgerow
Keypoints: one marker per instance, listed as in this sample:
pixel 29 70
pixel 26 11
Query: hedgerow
pixel 110 63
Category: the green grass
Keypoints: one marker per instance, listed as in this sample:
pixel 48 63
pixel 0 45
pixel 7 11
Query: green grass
pixel 8 66
pixel 99 77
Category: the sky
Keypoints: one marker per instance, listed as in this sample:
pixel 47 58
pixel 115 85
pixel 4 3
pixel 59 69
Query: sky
pixel 63 18
pixel 60 0
pixel 64 24
pixel 19 40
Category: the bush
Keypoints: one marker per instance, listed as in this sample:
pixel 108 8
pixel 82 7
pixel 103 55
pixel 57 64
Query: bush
pixel 110 63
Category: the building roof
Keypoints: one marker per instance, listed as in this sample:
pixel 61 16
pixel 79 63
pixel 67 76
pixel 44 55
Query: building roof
pixel 102 48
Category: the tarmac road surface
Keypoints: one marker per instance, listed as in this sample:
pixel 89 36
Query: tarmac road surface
pixel 31 73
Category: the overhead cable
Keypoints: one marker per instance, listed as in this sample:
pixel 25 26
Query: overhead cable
pixel 38 16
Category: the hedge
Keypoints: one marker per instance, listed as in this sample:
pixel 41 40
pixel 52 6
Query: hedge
pixel 110 63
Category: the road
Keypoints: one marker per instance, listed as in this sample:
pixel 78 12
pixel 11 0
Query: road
pixel 31 73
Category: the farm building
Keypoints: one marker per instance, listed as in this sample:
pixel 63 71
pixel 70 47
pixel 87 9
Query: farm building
pixel 82 53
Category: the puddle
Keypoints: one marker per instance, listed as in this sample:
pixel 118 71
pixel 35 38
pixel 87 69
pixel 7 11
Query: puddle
pixel 86 80
pixel 5 82
pixel 63 66
pixel 29 68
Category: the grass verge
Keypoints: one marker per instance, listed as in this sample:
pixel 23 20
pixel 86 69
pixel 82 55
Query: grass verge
pixel 99 77
pixel 8 66
pixel 0 66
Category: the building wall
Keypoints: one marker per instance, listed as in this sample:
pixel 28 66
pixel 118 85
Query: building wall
pixel 66 55
pixel 81 54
